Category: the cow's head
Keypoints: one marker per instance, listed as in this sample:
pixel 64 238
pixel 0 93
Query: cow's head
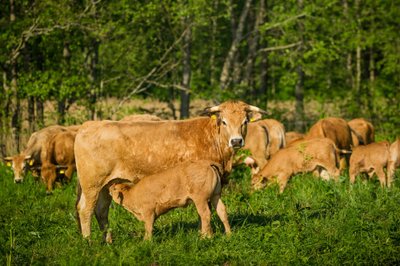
pixel 259 182
pixel 232 118
pixel 19 165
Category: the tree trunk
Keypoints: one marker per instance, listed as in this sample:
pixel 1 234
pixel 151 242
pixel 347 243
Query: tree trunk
pixel 357 86
pixel 40 112
pixel 349 57
pixel 214 28
pixel 185 94
pixel 299 90
pixel 263 91
pixel 31 113
pixel 93 60
pixel 230 59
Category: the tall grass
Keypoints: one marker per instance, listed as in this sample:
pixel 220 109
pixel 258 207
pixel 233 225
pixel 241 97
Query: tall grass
pixel 312 222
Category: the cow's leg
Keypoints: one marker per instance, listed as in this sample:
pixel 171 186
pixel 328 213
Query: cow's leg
pixel 381 175
pixel 148 219
pixel 352 174
pixel 391 166
pixel 101 212
pixel 205 216
pixel 282 181
pixel 85 207
pixel 69 172
pixel 49 177
pixel 221 211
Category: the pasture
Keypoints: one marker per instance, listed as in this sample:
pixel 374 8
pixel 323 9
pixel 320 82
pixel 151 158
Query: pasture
pixel 312 222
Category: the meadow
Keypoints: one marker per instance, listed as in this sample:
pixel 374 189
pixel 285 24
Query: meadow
pixel 312 222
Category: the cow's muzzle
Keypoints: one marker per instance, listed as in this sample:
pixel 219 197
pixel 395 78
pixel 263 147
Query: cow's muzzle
pixel 236 143
pixel 17 181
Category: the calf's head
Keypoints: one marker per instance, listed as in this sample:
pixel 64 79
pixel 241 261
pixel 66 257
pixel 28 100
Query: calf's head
pixel 232 118
pixel 19 165
pixel 118 190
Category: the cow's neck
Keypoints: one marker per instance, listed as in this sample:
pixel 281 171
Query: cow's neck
pixel 225 153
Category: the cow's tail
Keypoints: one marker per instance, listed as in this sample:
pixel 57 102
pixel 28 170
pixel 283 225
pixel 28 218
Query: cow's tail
pixel 358 136
pixel 78 198
pixel 267 144
pixel 217 168
pixel 343 152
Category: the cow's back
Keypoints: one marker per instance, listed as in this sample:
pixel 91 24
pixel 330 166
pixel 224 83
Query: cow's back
pixel 106 150
pixel 363 131
pixel 333 128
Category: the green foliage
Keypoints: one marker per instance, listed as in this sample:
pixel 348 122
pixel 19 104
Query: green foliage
pixel 312 222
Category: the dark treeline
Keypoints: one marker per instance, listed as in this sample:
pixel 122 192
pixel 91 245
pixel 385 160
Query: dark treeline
pixel 80 52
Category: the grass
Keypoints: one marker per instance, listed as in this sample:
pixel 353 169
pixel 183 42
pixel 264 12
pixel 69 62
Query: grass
pixel 312 222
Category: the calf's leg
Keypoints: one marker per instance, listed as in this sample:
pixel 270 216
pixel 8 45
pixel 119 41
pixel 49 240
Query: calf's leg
pixel 85 206
pixel 205 215
pixel 221 211
pixel 381 175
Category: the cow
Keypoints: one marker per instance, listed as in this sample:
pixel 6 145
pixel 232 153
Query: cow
pixel 394 160
pixel 198 182
pixel 264 138
pixel 335 129
pixel 370 159
pixel 293 136
pixel 319 155
pixel 57 157
pixel 107 150
pixel 140 117
pixel 29 159
pixel 362 131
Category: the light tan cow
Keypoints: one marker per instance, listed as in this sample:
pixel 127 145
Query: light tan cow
pixel 319 154
pixel 107 150
pixel 394 160
pixel 293 136
pixel 362 131
pixel 57 157
pixel 335 129
pixel 140 117
pixel 198 182
pixel 264 138
pixel 370 159
pixel 29 159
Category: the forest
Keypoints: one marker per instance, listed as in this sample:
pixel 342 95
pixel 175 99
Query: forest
pixel 63 54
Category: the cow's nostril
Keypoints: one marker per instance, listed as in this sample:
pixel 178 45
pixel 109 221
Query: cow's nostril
pixel 18 180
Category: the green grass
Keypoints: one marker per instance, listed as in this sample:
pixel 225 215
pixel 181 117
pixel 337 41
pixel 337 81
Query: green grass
pixel 312 222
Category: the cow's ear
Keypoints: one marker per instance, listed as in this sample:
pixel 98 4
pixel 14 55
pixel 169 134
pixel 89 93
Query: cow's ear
pixel 254 113
pixel 7 161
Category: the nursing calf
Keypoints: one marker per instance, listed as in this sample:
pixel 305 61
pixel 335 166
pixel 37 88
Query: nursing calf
pixel 319 155
pixel 198 182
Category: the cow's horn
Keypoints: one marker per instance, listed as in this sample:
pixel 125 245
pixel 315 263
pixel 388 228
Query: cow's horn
pixel 252 108
pixel 211 110
pixel 28 157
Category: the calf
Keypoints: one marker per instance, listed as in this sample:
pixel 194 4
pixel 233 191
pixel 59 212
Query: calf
pixel 154 195
pixel 362 131
pixel 370 159
pixel 320 155
pixel 394 160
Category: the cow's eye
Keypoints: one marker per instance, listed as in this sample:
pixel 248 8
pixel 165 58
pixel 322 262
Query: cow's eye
pixel 224 122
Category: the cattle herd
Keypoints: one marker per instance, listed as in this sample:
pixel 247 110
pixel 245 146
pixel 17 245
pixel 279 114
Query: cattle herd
pixel 150 166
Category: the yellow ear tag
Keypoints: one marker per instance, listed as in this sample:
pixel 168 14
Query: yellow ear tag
pixel 214 117
pixel 62 171
pixel 8 164
pixel 31 162
pixel 252 119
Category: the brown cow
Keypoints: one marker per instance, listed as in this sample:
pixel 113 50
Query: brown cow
pixel 140 117
pixel 276 131
pixel 29 159
pixel 362 131
pixel 293 136
pixel 59 151
pixel 198 182
pixel 335 129
pixel 318 154
pixel 394 160
pixel 106 150
pixel 370 159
